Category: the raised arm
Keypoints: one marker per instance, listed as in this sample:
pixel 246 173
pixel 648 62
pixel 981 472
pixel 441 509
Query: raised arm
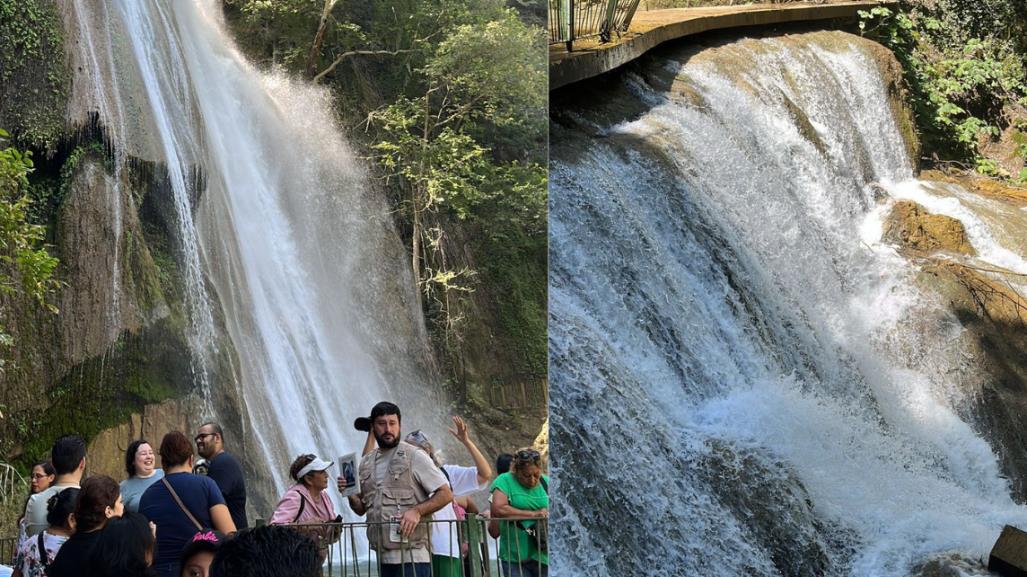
pixel 480 462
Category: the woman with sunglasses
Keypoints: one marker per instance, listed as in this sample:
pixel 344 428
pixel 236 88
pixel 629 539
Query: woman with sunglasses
pixel 520 500
pixel 43 475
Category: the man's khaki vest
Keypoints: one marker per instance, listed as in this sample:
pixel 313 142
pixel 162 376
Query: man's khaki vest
pixel 386 503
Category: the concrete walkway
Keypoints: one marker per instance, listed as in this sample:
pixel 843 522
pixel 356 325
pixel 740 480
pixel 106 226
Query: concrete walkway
pixel 650 29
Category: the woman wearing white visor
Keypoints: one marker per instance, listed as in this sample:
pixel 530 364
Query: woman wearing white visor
pixel 308 503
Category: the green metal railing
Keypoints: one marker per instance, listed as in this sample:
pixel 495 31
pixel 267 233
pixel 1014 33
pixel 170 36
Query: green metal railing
pixel 349 554
pixel 571 20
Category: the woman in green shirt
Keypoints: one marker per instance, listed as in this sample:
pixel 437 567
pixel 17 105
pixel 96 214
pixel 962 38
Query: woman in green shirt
pixel 520 498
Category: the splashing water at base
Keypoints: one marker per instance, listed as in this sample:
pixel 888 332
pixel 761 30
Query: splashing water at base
pixel 745 380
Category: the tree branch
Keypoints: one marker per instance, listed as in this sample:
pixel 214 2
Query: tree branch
pixel 352 53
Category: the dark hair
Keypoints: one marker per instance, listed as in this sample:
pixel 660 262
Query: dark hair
pixel 299 463
pixel 526 456
pixel 268 551
pixel 216 427
pixel 60 506
pixel 175 449
pixel 122 548
pixel 98 492
pixel 503 463
pixel 385 408
pixel 207 541
pixel 130 455
pixel 47 470
pixel 66 454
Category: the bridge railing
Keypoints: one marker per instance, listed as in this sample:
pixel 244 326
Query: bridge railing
pixel 349 554
pixel 571 20
pixel 12 484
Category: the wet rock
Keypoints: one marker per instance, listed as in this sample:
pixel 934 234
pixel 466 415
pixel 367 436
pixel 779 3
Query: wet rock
pixel 775 505
pixel 107 451
pixel 911 226
pixel 949 565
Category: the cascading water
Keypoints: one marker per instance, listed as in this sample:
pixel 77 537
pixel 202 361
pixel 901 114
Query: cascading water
pixel 747 380
pixel 280 239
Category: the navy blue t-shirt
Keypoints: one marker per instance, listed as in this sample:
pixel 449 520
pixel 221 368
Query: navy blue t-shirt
pixel 227 473
pixel 174 529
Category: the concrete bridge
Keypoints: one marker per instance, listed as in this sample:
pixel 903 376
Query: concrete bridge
pixel 650 29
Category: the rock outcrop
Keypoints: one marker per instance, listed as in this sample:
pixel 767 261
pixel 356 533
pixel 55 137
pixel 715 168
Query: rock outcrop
pixel 911 226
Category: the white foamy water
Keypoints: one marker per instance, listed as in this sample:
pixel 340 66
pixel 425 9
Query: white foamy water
pixel 281 242
pixel 745 381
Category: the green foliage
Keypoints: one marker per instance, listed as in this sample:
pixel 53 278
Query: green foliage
pixel 450 96
pixel 26 269
pixel 966 72
pixel 468 147
pixel 34 81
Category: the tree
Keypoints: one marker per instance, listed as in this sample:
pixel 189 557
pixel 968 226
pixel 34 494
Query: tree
pixel 482 84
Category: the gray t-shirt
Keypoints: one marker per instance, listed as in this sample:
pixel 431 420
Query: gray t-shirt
pixel 429 478
pixel 132 489
pixel 35 509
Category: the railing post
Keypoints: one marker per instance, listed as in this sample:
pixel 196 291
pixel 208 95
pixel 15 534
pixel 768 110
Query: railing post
pixel 567 22
pixel 606 34
pixel 474 533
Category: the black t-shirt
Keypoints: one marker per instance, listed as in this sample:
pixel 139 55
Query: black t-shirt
pixel 227 473
pixel 72 559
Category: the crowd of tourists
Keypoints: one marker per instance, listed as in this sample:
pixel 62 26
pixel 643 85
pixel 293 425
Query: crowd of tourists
pixel 188 518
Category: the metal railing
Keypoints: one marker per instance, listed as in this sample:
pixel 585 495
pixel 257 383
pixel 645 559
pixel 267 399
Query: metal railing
pixel 7 547
pixel 470 550
pixel 12 484
pixel 473 551
pixel 571 20
pixel 526 392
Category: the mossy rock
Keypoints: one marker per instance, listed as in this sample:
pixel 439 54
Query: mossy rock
pixel 35 81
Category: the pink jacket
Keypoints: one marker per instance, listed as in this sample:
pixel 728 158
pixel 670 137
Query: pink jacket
pixel 314 511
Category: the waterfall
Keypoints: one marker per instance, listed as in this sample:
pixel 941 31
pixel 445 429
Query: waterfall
pixel 747 379
pixel 282 243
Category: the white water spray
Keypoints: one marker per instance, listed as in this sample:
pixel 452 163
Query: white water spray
pixel 281 241
pixel 744 382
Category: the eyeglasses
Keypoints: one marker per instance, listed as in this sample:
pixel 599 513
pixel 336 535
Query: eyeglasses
pixel 201 436
pixel 39 475
pixel 528 455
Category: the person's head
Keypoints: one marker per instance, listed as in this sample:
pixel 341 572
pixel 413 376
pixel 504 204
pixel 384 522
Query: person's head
pixel 268 551
pixel 140 459
pixel 60 507
pixel 503 463
pixel 527 467
pixel 385 424
pixel 68 455
pixel 175 451
pixel 42 476
pixel 198 554
pixel 124 548
pixel 310 471
pixel 99 499
pixel 421 441
pixel 210 440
